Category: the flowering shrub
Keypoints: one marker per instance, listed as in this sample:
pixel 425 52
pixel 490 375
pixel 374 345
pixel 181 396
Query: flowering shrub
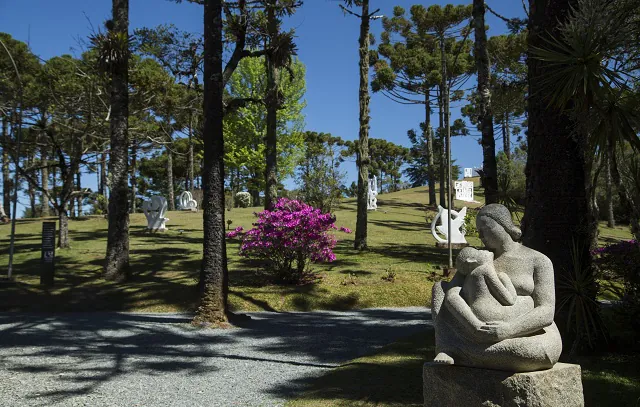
pixel 288 237
pixel 620 262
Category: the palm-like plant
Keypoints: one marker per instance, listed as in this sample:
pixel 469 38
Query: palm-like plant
pixel 597 60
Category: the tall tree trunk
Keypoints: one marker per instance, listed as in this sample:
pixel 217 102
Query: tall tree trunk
pixel 63 227
pixel 362 155
pixel 611 221
pixel 428 136
pixel 79 187
pixel 54 182
pixel 134 180
pixel 214 279
pixel 30 191
pixel 557 216
pixel 103 174
pixel 506 136
pixel 172 195
pixel 189 182
pixel 255 197
pixel 485 112
pixel 117 259
pixel 44 179
pixel 71 208
pixel 6 175
pixel 272 101
pixel 443 149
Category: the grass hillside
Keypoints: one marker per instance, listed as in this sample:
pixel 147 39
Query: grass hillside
pixel 165 265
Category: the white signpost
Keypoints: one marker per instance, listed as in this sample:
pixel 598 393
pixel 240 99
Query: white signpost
pixel 464 190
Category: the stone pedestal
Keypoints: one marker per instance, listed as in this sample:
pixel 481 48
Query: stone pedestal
pixel 453 386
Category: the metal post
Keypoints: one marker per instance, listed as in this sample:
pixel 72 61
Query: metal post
pixel 16 158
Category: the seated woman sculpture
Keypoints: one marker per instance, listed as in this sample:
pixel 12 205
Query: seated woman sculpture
pixel 519 337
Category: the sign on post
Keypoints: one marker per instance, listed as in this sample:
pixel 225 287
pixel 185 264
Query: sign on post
pixel 464 191
pixel 47 260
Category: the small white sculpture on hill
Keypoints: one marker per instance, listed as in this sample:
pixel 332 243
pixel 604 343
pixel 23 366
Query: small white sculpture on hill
pixel 154 209
pixel 372 194
pixel 186 202
pixel 457 221
pixel 468 172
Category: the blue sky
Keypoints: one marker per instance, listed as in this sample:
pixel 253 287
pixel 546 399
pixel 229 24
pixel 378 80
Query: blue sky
pixel 327 41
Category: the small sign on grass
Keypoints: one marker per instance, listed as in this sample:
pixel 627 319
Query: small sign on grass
pixel 47 260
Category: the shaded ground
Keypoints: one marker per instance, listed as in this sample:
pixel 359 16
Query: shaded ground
pixel 124 359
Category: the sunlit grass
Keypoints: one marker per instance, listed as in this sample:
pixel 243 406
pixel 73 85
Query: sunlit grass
pixel 392 377
pixel 165 266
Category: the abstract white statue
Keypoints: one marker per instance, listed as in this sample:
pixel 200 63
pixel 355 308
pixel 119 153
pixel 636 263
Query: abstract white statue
pixel 468 172
pixel 457 221
pixel 154 209
pixel 186 202
pixel 464 191
pixel 372 193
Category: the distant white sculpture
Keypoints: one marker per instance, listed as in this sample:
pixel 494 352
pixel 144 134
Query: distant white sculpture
pixel 372 193
pixel 154 209
pixel 186 202
pixel 457 221
pixel 464 190
pixel 468 172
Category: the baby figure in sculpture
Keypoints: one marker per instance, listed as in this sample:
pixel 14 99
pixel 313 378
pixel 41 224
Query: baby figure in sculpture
pixel 497 311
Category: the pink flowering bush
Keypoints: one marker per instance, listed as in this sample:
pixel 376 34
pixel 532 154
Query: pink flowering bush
pixel 288 237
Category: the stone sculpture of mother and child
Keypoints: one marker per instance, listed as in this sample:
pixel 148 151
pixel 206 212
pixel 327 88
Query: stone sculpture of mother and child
pixel 497 311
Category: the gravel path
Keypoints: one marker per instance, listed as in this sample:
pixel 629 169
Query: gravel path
pixel 126 359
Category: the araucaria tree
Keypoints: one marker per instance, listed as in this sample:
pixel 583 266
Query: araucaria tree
pixel 115 54
pixel 362 158
pixel 406 70
pixel 214 275
pixel 485 113
pixel 214 280
pixel 279 49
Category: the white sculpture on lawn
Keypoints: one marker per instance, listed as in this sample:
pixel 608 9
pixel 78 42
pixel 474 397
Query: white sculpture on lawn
pixel 154 209
pixel 186 202
pixel 464 191
pixel 468 172
pixel 372 193
pixel 457 221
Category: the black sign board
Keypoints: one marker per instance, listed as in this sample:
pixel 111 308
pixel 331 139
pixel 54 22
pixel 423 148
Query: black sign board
pixel 47 261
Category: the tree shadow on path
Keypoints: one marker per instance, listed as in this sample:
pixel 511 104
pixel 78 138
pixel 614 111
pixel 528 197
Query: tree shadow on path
pixel 85 352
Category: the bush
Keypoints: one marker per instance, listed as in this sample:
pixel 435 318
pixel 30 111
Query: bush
pixel 243 199
pixel 99 204
pixel 469 227
pixel 288 237
pixel 619 265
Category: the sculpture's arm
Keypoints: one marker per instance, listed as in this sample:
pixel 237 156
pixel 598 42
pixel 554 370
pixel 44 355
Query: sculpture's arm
pixel 501 287
pixel 544 298
pixel 460 309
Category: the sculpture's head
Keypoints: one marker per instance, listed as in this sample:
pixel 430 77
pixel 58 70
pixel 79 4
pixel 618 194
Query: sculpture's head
pixel 469 258
pixel 495 226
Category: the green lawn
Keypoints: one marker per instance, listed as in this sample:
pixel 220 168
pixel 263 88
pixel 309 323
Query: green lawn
pixel 392 377
pixel 165 265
